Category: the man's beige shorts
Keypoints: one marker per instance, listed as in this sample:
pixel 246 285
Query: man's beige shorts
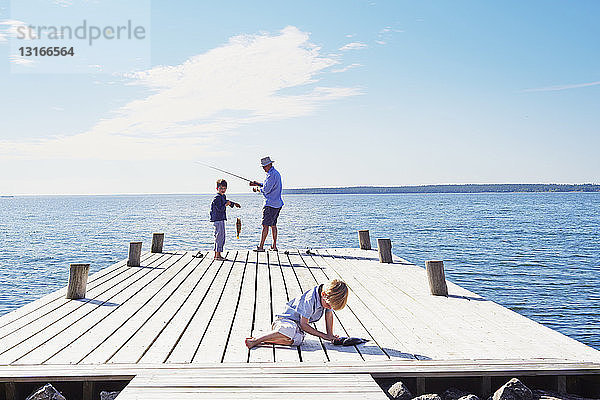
pixel 290 329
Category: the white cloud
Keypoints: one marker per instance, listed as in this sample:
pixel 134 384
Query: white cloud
pixel 353 46
pixel 19 60
pixel 382 42
pixel 346 68
pixel 191 105
pixel 63 3
pixel 562 87
pixel 12 28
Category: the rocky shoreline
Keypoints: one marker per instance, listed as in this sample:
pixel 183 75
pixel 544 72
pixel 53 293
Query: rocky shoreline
pixel 514 389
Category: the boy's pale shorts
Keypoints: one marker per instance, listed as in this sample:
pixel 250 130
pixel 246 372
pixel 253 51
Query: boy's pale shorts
pixel 290 329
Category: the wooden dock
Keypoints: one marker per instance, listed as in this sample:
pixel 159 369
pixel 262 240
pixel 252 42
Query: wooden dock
pixel 175 326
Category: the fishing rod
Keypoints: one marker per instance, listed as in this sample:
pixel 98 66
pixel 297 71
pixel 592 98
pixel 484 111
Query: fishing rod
pixel 227 172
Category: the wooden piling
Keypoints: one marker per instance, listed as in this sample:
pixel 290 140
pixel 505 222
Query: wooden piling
pixel 385 250
pixel 135 251
pixel 89 388
pixel 436 277
pixel 10 391
pixel 421 385
pixel 486 386
pixel 78 275
pixel 561 384
pixel 364 239
pixel 157 242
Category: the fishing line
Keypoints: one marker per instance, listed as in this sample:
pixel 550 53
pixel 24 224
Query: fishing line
pixel 222 170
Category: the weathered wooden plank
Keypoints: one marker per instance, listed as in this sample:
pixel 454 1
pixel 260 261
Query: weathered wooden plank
pixel 213 343
pixel 416 342
pixel 236 351
pixel 15 347
pixel 134 336
pixel 167 337
pixel 295 386
pixel 94 344
pixel 441 332
pixel 448 368
pixel 453 312
pixel 37 309
pixel 57 337
pixel 506 332
pixel 154 310
pixel 185 349
pixel 262 310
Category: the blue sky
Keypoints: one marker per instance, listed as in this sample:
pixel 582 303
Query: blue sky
pixel 338 93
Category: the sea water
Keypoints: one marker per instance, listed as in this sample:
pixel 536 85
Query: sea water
pixel 535 253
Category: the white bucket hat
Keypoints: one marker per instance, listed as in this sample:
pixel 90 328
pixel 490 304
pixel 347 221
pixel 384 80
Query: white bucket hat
pixel 265 161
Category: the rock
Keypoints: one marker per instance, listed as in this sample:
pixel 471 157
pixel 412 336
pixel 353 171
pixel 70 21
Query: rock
pixel 548 395
pixel 399 391
pixel 469 397
pixel 108 395
pixel 513 390
pixel 47 392
pixel 453 394
pixel 431 396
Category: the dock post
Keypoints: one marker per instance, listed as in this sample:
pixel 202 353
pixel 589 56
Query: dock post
pixel 157 242
pixel 436 277
pixel 561 384
pixel 10 391
pixel 486 386
pixel 78 275
pixel 135 251
pixel 364 239
pixel 88 390
pixel 421 385
pixel 385 250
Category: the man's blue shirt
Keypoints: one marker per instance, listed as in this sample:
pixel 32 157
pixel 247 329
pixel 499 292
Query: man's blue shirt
pixel 271 189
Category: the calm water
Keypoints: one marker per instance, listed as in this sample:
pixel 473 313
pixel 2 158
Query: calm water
pixel 538 254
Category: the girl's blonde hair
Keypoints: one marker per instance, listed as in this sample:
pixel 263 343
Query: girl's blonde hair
pixel 337 293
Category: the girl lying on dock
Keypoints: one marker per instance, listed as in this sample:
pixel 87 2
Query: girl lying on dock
pixel 291 324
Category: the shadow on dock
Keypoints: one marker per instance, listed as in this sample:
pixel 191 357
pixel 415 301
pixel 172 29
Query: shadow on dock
pixel 98 302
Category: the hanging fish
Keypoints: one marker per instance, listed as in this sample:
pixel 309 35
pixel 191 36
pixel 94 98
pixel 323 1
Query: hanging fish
pixel 238 227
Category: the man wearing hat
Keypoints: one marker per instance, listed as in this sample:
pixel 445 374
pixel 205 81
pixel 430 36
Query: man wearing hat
pixel 271 189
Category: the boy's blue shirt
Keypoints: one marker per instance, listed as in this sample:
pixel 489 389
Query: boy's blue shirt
pixel 308 306
pixel 218 207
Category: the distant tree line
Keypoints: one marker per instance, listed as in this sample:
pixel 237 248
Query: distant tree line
pixel 470 188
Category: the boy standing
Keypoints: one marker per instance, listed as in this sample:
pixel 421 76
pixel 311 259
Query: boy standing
pixel 291 324
pixel 218 216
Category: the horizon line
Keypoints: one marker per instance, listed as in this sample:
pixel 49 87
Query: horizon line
pixel 5 195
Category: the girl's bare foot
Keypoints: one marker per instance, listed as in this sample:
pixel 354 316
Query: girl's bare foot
pixel 250 342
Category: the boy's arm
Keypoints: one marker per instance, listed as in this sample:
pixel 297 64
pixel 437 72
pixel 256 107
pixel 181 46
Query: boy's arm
pixel 305 326
pixel 329 323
